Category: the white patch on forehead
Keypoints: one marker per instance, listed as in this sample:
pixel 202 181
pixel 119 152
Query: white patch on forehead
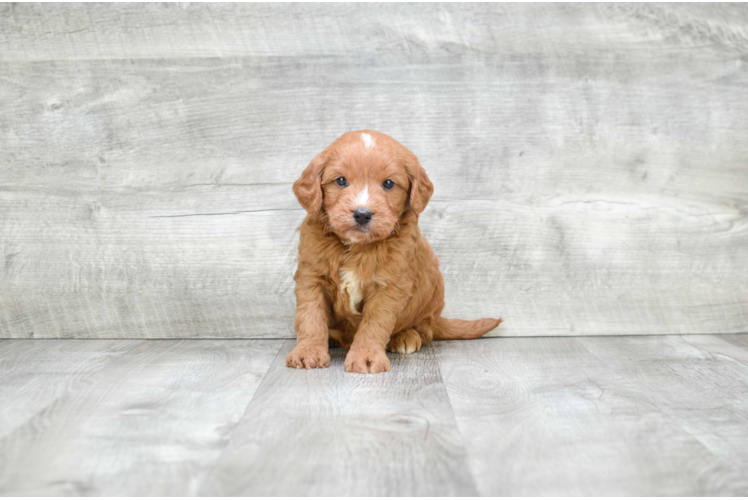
pixel 362 198
pixel 352 285
pixel 368 140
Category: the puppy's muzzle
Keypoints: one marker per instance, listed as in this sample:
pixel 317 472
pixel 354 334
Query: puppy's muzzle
pixel 362 216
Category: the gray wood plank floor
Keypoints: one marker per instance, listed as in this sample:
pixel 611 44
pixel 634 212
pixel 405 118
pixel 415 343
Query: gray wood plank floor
pixel 547 416
pixel 647 415
pixel 328 432
pixel 701 383
pixel 35 373
pixel 149 423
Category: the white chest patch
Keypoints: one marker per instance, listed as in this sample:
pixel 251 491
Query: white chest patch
pixel 353 286
pixel 368 140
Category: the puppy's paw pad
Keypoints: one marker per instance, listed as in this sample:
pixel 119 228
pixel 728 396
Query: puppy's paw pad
pixel 308 357
pixel 406 342
pixel 373 361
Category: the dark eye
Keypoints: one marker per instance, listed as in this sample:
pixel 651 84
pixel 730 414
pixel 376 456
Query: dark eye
pixel 388 184
pixel 341 182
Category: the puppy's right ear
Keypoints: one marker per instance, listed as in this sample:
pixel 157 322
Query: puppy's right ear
pixel 308 188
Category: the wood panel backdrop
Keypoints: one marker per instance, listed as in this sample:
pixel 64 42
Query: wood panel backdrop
pixel 590 161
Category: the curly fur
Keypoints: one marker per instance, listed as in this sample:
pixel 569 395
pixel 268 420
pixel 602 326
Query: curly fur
pixel 374 288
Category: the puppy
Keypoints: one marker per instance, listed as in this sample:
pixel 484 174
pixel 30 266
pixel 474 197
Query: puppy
pixel 367 278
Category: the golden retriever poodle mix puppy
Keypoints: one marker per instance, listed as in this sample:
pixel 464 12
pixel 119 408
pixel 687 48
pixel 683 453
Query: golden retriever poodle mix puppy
pixel 367 278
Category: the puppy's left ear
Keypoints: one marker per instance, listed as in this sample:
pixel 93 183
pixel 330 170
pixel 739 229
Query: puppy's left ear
pixel 421 187
pixel 308 187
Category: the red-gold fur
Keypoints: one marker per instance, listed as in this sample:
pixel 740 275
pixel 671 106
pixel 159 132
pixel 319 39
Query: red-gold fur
pixel 367 289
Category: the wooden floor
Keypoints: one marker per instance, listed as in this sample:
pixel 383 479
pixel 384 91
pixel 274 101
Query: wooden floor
pixel 643 415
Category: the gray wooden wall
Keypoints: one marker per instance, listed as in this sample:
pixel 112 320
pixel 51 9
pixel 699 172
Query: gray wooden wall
pixel 590 161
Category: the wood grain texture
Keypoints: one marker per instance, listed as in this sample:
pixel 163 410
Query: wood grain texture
pixel 647 415
pixel 35 373
pixel 152 422
pixel 328 432
pixel 701 383
pixel 546 416
pixel 738 340
pixel 82 31
pixel 590 164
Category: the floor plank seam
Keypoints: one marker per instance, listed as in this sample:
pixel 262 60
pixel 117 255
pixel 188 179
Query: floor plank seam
pixel 209 470
pixel 456 423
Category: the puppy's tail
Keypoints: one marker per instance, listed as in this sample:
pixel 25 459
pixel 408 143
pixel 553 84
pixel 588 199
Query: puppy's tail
pixel 455 329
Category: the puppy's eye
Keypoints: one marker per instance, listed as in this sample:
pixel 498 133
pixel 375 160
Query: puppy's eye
pixel 388 184
pixel 341 182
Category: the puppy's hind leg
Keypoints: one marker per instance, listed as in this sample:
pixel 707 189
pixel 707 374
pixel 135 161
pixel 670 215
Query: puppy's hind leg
pixel 405 342
pixel 425 329
pixel 340 337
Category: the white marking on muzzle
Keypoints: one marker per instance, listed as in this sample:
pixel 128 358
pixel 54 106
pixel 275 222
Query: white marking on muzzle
pixel 362 198
pixel 368 140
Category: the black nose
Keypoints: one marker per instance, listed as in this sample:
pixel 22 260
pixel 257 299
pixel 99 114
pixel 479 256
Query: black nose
pixel 362 216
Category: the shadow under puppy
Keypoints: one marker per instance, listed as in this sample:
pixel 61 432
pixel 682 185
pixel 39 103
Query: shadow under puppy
pixel 366 277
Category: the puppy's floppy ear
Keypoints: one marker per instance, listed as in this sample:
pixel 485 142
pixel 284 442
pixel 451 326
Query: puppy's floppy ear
pixel 421 187
pixel 308 187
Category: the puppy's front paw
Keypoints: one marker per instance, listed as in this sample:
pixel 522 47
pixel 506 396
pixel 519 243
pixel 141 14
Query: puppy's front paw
pixel 371 360
pixel 308 356
pixel 405 342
